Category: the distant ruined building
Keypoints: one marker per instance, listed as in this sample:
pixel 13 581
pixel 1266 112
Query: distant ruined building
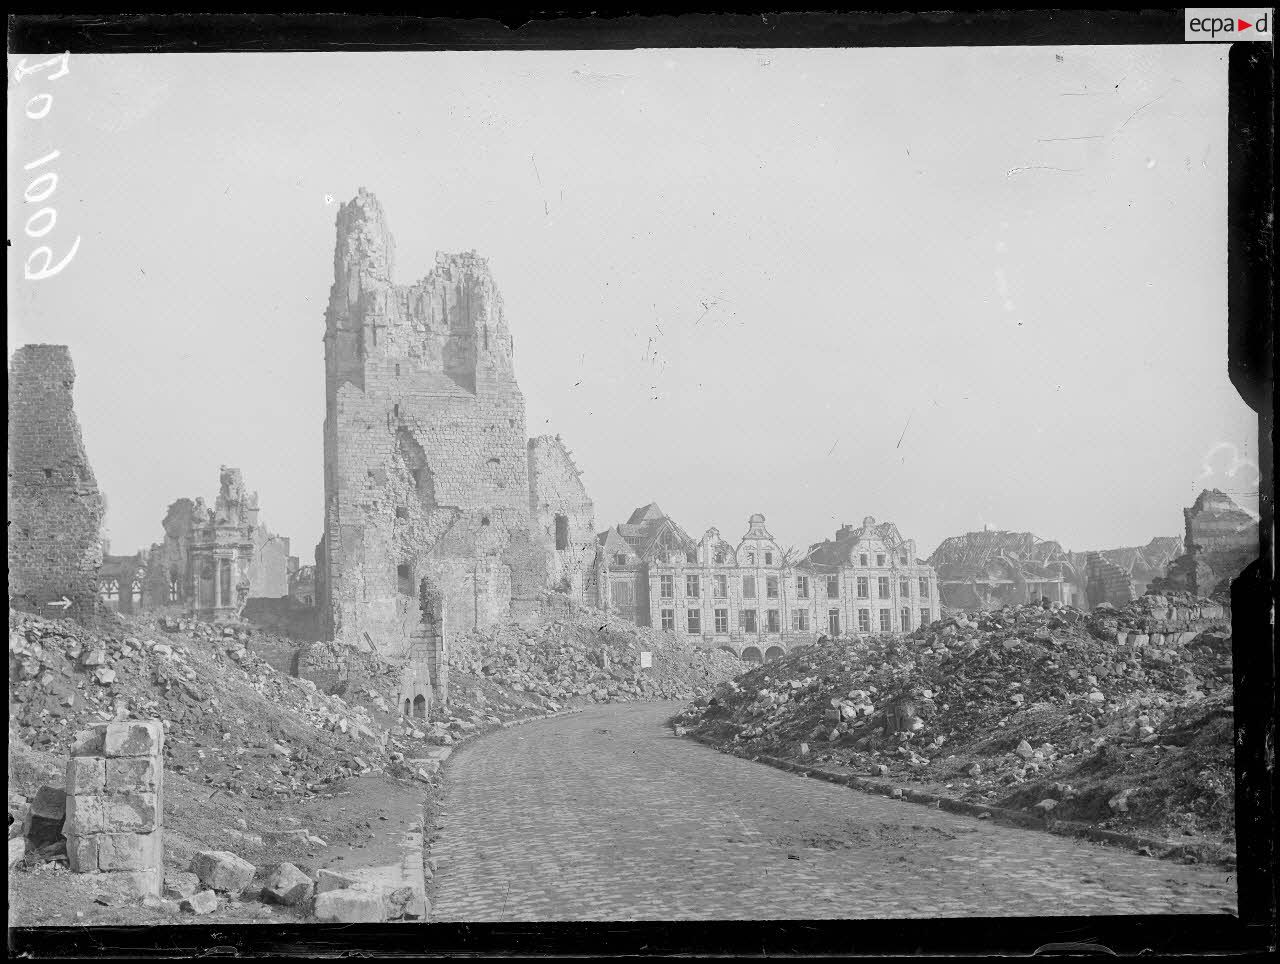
pixel 212 561
pixel 753 599
pixel 1221 540
pixel 440 514
pixel 55 508
pixel 995 568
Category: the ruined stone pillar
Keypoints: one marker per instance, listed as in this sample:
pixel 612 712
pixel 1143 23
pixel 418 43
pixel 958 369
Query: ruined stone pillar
pixel 115 781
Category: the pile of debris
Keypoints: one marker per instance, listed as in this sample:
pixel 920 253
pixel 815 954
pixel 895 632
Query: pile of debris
pixel 1121 718
pixel 588 656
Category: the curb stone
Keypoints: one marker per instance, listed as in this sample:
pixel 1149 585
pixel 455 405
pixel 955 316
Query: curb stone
pixel 1000 815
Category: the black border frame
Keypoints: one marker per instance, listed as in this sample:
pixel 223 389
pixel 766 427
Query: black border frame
pixel 1251 367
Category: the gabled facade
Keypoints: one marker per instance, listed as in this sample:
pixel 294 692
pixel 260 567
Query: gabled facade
pixel 753 598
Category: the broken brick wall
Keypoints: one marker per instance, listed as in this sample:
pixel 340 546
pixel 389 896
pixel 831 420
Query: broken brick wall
pixel 55 508
pixel 1107 582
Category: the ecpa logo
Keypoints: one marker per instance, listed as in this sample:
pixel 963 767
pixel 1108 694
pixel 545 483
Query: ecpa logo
pixel 1227 26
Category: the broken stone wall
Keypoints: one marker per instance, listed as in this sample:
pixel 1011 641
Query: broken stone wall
pixel 269 568
pixel 55 508
pixel 563 513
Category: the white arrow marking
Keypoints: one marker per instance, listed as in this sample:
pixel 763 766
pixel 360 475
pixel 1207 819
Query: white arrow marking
pixel 64 603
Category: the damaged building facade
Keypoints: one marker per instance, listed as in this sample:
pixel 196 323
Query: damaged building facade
pixel 212 561
pixel 753 598
pixel 434 521
pixel 55 508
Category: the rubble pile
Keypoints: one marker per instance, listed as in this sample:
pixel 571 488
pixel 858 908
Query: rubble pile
pixel 234 721
pixel 1121 718
pixel 588 656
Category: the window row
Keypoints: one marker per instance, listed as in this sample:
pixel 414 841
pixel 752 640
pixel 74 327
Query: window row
pixel 748 621
pixel 720 587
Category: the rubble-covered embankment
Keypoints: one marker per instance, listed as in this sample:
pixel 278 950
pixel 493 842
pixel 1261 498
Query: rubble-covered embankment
pixel 1120 719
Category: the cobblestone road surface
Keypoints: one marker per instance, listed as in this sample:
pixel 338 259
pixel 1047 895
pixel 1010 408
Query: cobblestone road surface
pixel 606 815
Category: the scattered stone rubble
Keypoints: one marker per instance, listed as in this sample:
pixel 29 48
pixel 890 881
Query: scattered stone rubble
pixel 589 655
pixel 1120 718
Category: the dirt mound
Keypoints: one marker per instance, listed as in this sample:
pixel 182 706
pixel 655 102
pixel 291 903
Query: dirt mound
pixel 1121 718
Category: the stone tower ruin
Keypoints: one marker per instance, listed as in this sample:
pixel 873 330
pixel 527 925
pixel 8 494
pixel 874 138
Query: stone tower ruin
pixel 427 484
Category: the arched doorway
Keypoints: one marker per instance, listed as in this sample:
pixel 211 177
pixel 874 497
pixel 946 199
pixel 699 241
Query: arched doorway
pixel 420 706
pixel 773 652
pixel 752 655
pixel 408 708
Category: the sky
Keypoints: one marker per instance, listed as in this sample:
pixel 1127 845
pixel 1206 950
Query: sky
pixel 949 288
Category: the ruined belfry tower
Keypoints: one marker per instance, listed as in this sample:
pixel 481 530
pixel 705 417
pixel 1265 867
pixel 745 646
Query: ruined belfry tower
pixel 427 486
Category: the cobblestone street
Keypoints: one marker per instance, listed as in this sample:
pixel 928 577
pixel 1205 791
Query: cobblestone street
pixel 606 815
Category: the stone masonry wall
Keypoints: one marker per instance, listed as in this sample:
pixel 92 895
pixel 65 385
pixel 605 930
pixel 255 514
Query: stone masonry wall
pixel 556 493
pixel 55 509
pixel 1107 582
pixel 115 787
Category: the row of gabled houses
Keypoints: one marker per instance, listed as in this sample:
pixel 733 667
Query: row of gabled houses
pixel 756 598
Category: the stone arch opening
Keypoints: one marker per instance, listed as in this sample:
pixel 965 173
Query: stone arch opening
pixel 562 531
pixel 728 649
pixel 408 707
pixel 420 707
pixel 774 652
pixel 752 654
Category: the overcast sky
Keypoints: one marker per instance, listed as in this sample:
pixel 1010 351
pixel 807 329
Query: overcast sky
pixel 944 287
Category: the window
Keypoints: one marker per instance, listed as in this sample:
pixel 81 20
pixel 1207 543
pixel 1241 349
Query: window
pixel 906 619
pixel 864 620
pixel 667 586
pixel 902 560
pixel 802 587
pixel 833 622
pixel 397 371
pixel 886 621
pixel 619 558
pixel 882 585
pixel 404 581
pixel 747 619
pixel 722 621
pixel 562 531
pixel 768 558
pixel 691 587
pixel 864 587
pixel 925 619
pixel 833 587
pixel 862 560
pixel 719 558
pixel 691 557
pixel 771 622
pixel 174 591
pixel 904 588
pixel 879 558
pixel 800 620
pixel 751 558
pixel 749 587
pixel 669 619
pixel 694 617
pixel 722 586
pixel 110 590
pixel 924 587
pixel 771 587
pixel 402 512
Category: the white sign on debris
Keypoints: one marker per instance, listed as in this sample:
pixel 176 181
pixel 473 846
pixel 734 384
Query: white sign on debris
pixel 646 659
